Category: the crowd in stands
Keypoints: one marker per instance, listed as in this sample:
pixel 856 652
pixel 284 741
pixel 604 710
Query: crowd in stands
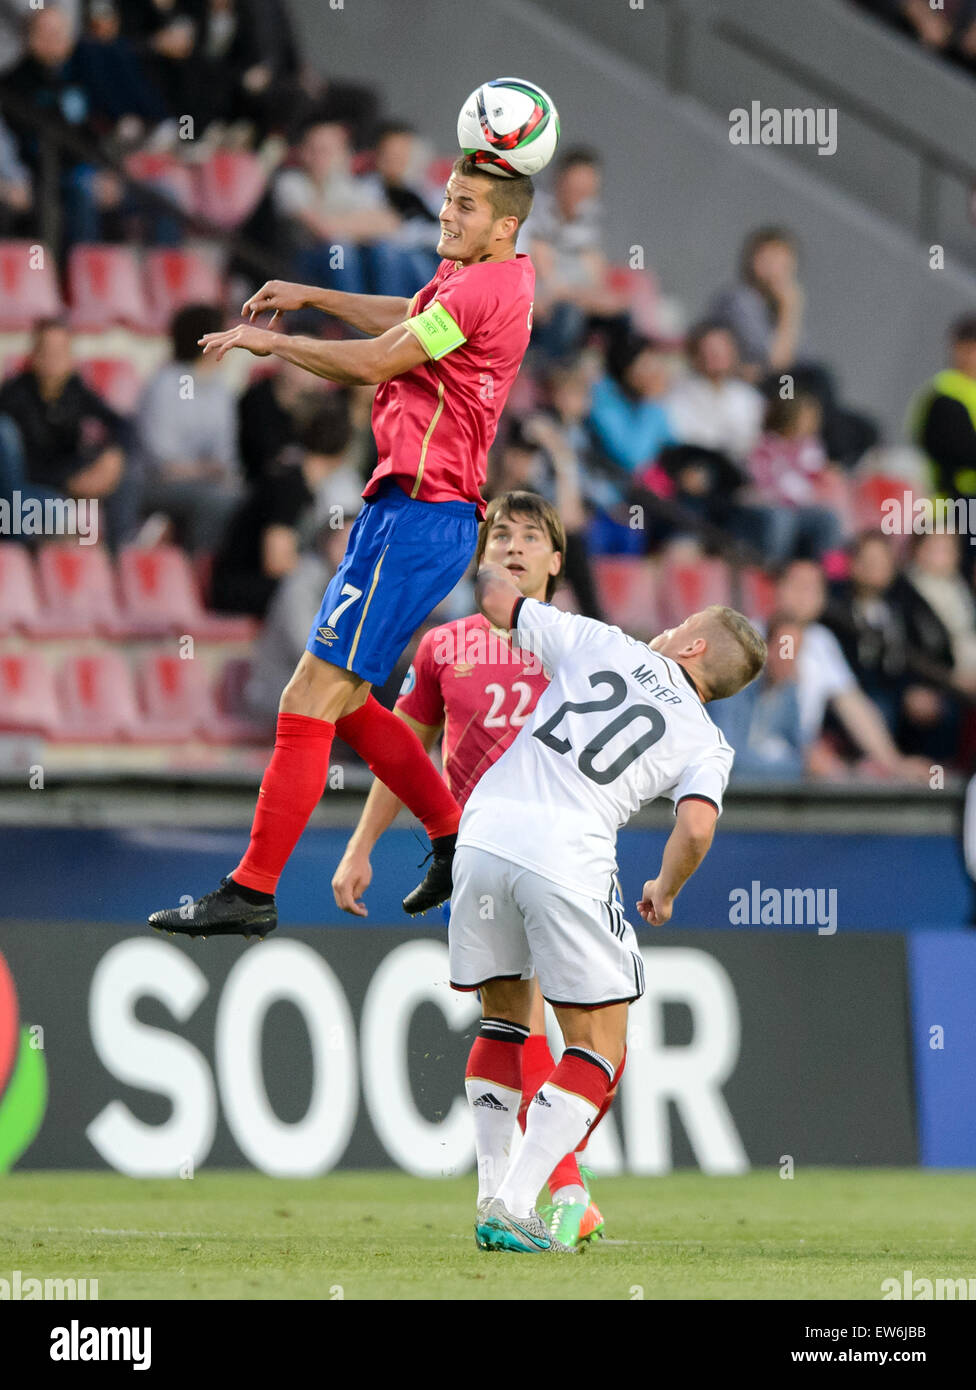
pixel 720 463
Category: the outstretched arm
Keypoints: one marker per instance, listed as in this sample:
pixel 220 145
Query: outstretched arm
pixel 687 845
pixel 369 313
pixel 354 362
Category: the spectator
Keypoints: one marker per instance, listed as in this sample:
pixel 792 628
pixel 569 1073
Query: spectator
pixel 59 439
pixel 764 311
pixel 14 15
pixel 762 722
pixel 399 160
pixel 16 192
pixel 186 436
pixel 564 236
pixel 332 216
pixel 279 516
pixel 882 623
pixel 825 682
pixel 793 484
pixel 629 413
pixel 272 413
pixel 935 573
pixel 45 88
pixel 167 35
pixel 711 407
pixel 121 99
pixel 944 416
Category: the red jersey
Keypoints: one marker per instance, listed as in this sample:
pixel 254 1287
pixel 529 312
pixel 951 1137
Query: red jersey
pixel 466 675
pixel 435 424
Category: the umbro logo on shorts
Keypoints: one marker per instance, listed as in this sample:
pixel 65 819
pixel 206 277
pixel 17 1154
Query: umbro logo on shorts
pixel 490 1102
pixel 539 1099
pixel 326 635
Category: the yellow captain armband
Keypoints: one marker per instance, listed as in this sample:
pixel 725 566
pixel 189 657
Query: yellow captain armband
pixel 436 331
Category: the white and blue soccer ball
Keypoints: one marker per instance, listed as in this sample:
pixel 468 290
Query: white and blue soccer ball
pixel 509 127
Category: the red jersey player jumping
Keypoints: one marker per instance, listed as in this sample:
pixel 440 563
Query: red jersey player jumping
pixel 445 362
pixel 467 679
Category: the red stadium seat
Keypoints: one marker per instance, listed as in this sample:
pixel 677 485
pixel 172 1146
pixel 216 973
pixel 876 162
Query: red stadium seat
pixel 78 586
pixel 19 604
pixel 229 187
pixel 28 702
pixel 160 596
pixel 105 288
pixel 687 586
pixel 870 495
pixel 627 589
pixel 758 594
pixel 28 285
pixel 166 174
pixel 439 169
pixel 97 697
pixel 174 697
pixel 115 379
pixel 231 722
pixel 177 278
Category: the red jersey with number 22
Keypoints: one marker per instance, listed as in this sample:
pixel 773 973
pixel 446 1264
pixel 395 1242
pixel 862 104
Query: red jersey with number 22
pixel 434 424
pixel 467 676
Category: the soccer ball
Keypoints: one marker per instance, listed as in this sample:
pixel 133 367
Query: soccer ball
pixel 509 127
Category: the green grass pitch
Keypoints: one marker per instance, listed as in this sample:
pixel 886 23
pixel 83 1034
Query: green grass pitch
pixel 822 1234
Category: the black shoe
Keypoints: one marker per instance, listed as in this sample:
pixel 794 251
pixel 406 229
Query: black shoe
pixel 438 883
pixel 221 913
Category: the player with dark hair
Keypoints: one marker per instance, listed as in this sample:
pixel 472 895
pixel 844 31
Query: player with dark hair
pixel 467 680
pixel 444 362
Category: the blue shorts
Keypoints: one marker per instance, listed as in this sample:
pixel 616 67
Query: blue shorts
pixel 403 557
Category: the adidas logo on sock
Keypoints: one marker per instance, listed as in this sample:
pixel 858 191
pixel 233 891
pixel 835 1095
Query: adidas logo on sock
pixel 490 1102
pixel 539 1099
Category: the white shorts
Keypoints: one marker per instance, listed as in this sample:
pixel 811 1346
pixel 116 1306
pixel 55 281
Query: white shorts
pixel 508 922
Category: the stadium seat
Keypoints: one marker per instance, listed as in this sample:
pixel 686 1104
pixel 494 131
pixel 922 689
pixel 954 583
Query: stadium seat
pixel 28 285
pixel 230 722
pixel 229 187
pixel 160 596
pixel 105 289
pixel 166 174
pixel 97 699
pixel 28 701
pixel 78 586
pixel 758 594
pixel 871 493
pixel 177 278
pixel 175 700
pixel 439 169
pixel 686 586
pixel 627 590
pixel 20 608
pixel 115 379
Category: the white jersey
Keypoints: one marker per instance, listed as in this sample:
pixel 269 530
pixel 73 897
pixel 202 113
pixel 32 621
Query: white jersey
pixel 619 725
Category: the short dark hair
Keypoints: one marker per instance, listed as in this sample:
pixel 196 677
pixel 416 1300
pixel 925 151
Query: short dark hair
pixel 188 326
pixel 697 335
pixel 576 155
pixel 44 325
pixel 509 197
pixel 519 503
pixel 329 430
pixel 964 329
pixel 392 127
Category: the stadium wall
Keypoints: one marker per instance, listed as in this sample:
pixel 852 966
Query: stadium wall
pixel 338 1045
pixel 875 310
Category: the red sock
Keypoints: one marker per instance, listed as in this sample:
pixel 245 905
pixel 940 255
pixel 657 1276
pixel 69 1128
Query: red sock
pixel 290 791
pixel 392 751
pixel 607 1102
pixel 537 1067
pixel 495 1059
